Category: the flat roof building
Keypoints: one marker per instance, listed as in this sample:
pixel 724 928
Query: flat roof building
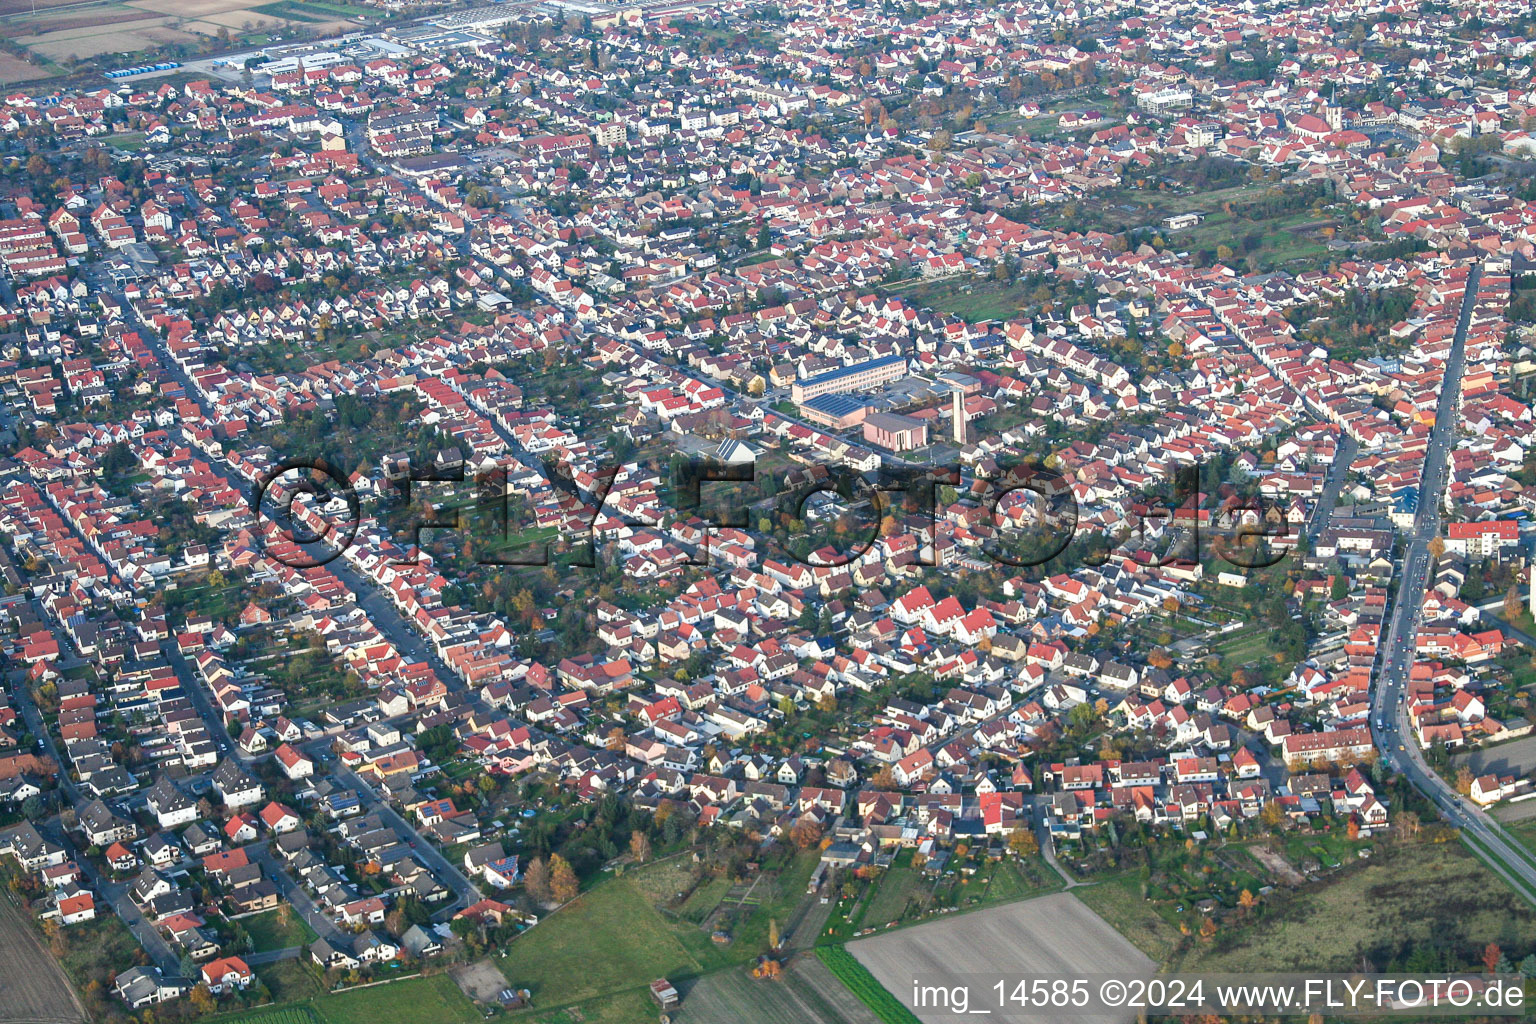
pixel 895 432
pixel 871 373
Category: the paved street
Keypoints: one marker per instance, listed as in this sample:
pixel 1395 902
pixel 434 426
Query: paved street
pixel 445 871
pixel 1389 710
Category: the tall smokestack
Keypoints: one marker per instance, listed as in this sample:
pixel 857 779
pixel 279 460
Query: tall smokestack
pixel 957 413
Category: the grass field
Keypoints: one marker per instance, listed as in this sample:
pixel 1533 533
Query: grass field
pixel 434 1000
pixel 897 886
pixel 279 1015
pixel 1120 902
pixel 414 1001
pixel 1405 896
pixel 597 952
pixel 290 981
pixel 310 10
pixel 703 900
pixel 630 1007
pixel 610 940
pixel 902 895
pixel 973 298
pixel 1523 831
pixel 269 932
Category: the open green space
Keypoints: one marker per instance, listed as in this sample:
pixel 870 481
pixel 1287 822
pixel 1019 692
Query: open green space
pixel 965 295
pixel 902 894
pixel 274 929
pixel 289 981
pixel 1121 902
pixel 431 1000
pixel 1524 832
pixel 615 937
pixel 413 1001
pixel 1407 899
pixel 704 899
pixel 603 943
pixel 894 893
pixel 627 1007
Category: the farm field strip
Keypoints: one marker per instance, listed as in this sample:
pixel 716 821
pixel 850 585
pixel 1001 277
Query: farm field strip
pixel 32 986
pixel 1051 935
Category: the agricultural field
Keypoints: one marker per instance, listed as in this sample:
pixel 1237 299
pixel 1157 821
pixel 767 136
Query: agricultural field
pixel 805 994
pixel 32 987
pixel 278 1015
pixel 99 31
pixel 19 69
pixel 1047 936
pixel 65 31
pixel 857 979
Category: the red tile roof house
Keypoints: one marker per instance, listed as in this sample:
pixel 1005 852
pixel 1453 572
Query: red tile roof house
pixel 294 764
pixel 226 974
pixel 77 908
pixel 279 819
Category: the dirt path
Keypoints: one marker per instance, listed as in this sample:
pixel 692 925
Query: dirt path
pixel 1278 864
pixel 482 980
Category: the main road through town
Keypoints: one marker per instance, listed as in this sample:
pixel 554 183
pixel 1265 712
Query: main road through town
pixel 1389 708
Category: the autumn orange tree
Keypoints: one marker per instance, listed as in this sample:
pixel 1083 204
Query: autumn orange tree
pixel 562 879
pixel 1023 842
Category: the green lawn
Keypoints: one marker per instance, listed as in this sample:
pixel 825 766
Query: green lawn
pixel 896 887
pixel 973 298
pixel 603 943
pixel 632 1007
pixel 269 931
pixel 289 981
pixel 434 1000
pixel 1012 879
pixel 704 899
pixel 614 937
pixel 1524 831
